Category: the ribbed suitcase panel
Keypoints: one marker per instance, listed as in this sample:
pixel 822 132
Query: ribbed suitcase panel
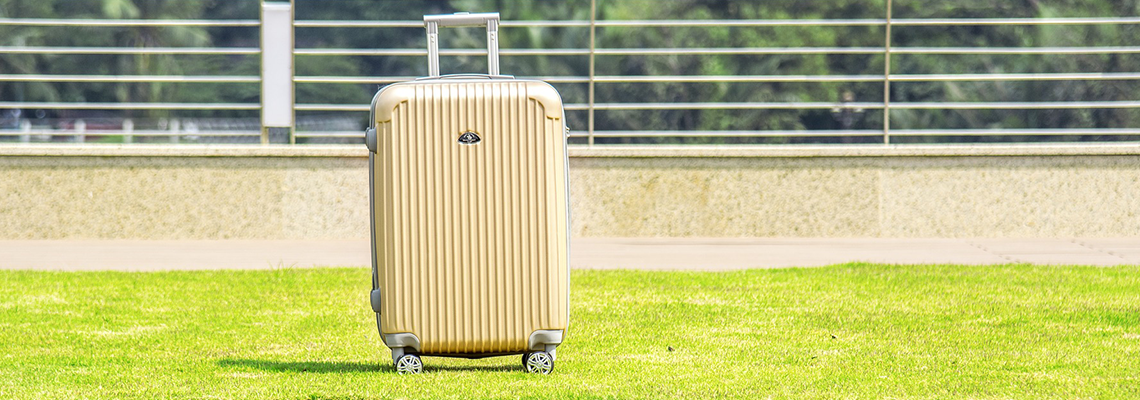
pixel 471 239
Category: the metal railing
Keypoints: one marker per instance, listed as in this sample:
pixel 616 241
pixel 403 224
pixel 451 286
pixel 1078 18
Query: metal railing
pixel 173 130
pixel 593 104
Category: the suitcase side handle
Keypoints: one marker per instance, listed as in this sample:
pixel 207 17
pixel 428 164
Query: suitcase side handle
pixel 433 22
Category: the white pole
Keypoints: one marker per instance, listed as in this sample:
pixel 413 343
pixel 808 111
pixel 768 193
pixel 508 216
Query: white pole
pixel 175 124
pixel 128 131
pixel 25 130
pixel 80 130
pixel 276 68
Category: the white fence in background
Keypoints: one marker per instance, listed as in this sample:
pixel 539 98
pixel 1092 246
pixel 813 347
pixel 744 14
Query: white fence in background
pixel 176 130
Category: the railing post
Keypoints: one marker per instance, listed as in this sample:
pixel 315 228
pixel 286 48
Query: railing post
pixel 128 131
pixel 277 119
pixel 25 130
pixel 590 111
pixel 887 78
pixel 175 126
pixel 80 131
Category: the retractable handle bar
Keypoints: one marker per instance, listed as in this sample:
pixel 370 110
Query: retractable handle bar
pixel 434 22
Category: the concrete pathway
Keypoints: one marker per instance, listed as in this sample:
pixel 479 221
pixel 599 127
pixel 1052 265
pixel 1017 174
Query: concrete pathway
pixel 591 253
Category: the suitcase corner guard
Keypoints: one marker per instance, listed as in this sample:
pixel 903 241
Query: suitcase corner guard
pixel 541 338
pixel 370 139
pixel 375 300
pixel 401 340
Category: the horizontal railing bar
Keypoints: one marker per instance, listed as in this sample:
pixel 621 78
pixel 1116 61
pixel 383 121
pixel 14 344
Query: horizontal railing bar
pixel 762 78
pixel 620 78
pixel 128 78
pixel 613 106
pixel 116 132
pixel 447 52
pixel 722 105
pixel 1017 50
pixel 332 23
pixel 420 24
pixel 903 132
pixel 568 107
pixel 354 134
pixel 353 79
pixel 127 22
pixel 1031 105
pixel 1017 77
pixel 773 50
pixel 746 22
pixel 875 50
pixel 574 52
pixel 666 133
pixel 585 23
pixel 330 134
pixel 741 50
pixel 130 106
pixel 772 133
pixel 126 50
pixel 737 78
pixel 871 78
pixel 875 22
pixel 331 107
pixel 393 79
pixel 828 105
pixel 581 23
pixel 1015 132
pixel 185 133
pixel 864 105
pixel 1015 21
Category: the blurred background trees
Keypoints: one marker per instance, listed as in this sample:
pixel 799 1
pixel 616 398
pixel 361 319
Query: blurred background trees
pixel 630 64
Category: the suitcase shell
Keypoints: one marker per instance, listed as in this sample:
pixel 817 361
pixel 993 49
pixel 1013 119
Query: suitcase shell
pixel 470 240
pixel 469 212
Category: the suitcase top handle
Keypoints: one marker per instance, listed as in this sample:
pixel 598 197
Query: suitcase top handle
pixel 434 22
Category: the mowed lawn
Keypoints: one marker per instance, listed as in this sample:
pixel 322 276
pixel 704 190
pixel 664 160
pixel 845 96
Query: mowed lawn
pixel 851 331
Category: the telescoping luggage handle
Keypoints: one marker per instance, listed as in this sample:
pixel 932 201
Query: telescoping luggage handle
pixel 434 22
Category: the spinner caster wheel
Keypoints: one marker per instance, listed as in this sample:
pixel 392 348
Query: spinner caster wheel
pixel 539 362
pixel 409 364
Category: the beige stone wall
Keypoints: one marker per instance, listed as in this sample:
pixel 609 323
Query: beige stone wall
pixel 286 193
pixel 905 197
pixel 183 197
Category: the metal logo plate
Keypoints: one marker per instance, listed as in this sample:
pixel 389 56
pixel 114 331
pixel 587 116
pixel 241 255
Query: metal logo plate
pixel 469 138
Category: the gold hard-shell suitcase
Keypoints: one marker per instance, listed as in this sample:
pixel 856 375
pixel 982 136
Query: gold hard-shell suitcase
pixel 470 215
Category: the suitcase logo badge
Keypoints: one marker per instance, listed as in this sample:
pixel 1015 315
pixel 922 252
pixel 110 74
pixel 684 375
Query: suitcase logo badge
pixel 469 138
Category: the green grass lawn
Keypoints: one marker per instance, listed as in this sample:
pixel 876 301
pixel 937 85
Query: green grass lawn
pixel 851 331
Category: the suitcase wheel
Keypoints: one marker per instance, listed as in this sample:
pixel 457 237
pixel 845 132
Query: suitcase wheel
pixel 409 364
pixel 539 362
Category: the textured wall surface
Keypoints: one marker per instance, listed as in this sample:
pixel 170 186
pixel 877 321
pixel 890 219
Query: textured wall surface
pixel 325 196
pixel 183 197
pixel 910 197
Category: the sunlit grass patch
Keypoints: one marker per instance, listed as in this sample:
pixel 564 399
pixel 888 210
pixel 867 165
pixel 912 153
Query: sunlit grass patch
pixel 849 331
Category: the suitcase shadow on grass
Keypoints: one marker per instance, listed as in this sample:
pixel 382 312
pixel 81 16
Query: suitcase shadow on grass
pixel 326 367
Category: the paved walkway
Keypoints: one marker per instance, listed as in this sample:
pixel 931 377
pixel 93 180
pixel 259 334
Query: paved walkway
pixel 649 254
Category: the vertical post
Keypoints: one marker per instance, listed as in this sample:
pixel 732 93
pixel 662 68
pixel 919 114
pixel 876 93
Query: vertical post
pixel 80 131
pixel 493 47
pixel 277 73
pixel 25 130
pixel 887 79
pixel 128 131
pixel 433 48
pixel 590 108
pixel 175 126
